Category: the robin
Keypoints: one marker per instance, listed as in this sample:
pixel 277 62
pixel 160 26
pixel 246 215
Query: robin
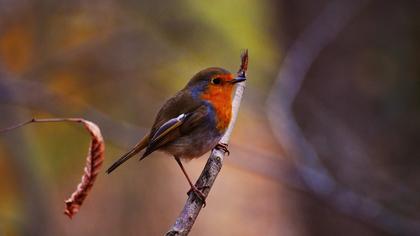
pixel 192 122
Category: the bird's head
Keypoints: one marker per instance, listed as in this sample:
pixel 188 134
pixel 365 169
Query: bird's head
pixel 213 84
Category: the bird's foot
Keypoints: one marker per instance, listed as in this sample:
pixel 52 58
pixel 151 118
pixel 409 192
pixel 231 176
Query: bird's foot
pixel 223 147
pixel 200 195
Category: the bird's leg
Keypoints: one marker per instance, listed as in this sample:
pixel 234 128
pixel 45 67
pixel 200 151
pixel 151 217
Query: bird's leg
pixel 223 147
pixel 196 191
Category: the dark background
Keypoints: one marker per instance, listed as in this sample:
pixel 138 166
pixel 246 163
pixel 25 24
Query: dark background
pixel 349 167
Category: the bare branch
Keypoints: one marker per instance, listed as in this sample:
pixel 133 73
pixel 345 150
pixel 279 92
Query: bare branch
pixel 188 215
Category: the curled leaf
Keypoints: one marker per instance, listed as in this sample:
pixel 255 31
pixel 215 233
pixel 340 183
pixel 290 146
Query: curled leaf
pixel 94 162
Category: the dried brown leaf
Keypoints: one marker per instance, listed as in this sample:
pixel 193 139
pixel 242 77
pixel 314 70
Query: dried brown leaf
pixel 94 160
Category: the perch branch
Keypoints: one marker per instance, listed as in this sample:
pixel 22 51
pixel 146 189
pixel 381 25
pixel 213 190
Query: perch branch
pixel 192 207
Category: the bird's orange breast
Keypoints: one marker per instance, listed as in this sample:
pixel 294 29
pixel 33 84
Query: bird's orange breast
pixel 221 99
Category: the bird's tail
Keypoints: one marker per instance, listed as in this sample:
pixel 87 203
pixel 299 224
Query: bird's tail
pixel 136 149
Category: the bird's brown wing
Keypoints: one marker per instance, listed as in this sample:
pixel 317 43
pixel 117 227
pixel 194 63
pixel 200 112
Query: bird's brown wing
pixel 176 117
pixel 182 102
pixel 175 128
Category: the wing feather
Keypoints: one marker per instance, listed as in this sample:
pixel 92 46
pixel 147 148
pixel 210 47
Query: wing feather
pixel 175 128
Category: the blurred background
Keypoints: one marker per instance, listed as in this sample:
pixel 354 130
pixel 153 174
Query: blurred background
pixel 326 138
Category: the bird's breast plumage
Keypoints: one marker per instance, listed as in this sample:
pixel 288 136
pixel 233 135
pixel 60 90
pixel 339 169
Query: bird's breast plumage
pixel 220 98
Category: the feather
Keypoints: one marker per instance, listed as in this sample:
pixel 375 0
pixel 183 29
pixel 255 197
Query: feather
pixel 136 149
pixel 175 128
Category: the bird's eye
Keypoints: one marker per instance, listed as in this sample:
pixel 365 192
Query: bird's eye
pixel 216 81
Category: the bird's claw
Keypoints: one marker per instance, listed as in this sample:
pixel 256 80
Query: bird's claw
pixel 200 195
pixel 223 147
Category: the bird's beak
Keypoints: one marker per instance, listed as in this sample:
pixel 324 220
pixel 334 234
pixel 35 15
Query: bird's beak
pixel 237 80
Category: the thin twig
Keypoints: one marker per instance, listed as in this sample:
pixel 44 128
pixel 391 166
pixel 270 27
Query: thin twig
pixel 16 126
pixel 46 120
pixel 188 215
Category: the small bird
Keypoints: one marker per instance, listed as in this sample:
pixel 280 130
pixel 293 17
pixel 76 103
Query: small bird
pixel 192 122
